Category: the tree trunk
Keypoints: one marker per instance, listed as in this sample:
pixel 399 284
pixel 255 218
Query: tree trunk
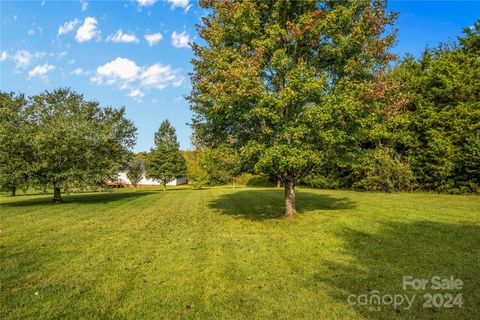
pixel 57 198
pixel 135 187
pixel 233 184
pixel 164 187
pixel 289 198
pixel 13 191
pixel 24 190
pixel 279 183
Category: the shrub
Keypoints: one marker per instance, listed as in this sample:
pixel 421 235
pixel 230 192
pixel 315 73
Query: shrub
pixel 260 181
pixel 318 180
pixel 244 178
pixel 382 170
pixel 252 180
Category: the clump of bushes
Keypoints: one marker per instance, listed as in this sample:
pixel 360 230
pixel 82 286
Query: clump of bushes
pixel 321 181
pixel 260 181
pixel 251 180
pixel 378 169
pixel 382 170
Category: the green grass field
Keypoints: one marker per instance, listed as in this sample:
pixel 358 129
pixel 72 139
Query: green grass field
pixel 219 254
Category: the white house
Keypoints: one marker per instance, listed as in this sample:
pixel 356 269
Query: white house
pixel 150 182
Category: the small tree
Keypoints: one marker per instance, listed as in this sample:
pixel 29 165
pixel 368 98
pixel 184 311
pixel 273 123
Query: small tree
pixel 165 161
pixel 135 172
pixel 196 170
pixel 78 141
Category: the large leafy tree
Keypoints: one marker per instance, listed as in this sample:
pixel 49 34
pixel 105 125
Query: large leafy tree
pixel 272 79
pixel 165 160
pixel 16 149
pixel 78 142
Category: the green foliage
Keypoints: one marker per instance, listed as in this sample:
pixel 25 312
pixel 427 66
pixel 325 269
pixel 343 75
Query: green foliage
pixel 16 147
pixel 78 142
pixel 443 133
pixel 260 181
pixel 213 166
pixel 381 170
pixel 196 172
pixel 57 139
pixel 251 180
pixel 426 111
pixel 378 169
pixel 322 181
pixel 165 160
pixel 244 178
pixel 141 156
pixel 222 164
pixel 135 171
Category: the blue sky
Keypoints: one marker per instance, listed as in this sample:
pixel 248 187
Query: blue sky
pixel 135 53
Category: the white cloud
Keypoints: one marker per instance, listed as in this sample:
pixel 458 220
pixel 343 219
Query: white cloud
pixel 144 3
pixel 79 72
pixel 119 36
pixel 41 71
pixel 136 94
pixel 120 69
pixel 31 32
pixel 68 26
pixel 180 4
pixel 3 56
pixel 84 5
pixel 42 3
pixel 88 30
pixel 23 58
pixel 59 55
pixel 160 76
pixel 153 38
pixel 125 74
pixel 180 40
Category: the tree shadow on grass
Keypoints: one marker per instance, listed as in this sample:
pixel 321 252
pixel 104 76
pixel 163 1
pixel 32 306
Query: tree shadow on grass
pixel 85 198
pixel 423 249
pixel 264 204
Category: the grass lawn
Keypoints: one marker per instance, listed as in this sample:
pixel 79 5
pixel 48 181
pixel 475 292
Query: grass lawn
pixel 219 254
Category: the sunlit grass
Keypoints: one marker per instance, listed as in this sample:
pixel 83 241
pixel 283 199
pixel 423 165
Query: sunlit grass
pixel 219 254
